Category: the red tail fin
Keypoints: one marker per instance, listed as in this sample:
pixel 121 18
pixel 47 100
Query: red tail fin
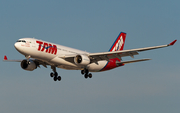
pixel 119 42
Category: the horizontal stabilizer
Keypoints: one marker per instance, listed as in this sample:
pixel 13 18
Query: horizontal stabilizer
pixel 131 61
pixel 6 59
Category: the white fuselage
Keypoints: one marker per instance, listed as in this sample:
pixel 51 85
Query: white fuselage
pixel 43 51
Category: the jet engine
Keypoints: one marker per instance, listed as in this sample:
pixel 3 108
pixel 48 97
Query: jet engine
pixel 28 65
pixel 82 60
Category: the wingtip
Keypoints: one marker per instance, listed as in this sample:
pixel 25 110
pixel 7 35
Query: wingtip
pixel 172 43
pixel 5 57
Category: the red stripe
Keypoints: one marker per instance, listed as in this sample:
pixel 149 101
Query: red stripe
pixel 111 64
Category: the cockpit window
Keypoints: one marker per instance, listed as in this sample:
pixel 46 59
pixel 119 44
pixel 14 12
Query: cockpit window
pixel 21 41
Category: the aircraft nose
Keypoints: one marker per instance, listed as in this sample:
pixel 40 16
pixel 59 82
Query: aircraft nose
pixel 18 46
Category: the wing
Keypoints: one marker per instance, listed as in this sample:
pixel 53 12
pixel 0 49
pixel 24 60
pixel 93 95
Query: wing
pixel 118 54
pixel 95 57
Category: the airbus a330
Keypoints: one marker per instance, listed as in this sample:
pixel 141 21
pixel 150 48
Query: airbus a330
pixel 38 52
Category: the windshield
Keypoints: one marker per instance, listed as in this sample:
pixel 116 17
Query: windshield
pixel 21 41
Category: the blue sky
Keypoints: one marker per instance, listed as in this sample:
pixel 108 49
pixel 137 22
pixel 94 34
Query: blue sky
pixel 151 86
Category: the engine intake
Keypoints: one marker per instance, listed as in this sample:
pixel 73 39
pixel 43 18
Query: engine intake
pixel 82 60
pixel 28 65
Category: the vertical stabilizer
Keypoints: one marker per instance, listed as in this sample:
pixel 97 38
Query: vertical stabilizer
pixel 118 45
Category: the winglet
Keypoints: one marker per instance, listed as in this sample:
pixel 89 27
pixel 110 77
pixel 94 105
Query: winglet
pixel 5 57
pixel 172 43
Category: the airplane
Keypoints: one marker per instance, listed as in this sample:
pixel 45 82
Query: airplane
pixel 38 52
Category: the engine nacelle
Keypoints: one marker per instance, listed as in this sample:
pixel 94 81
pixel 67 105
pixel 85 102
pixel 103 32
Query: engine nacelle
pixel 28 65
pixel 82 60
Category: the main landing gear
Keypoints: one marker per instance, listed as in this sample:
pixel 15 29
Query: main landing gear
pixel 86 73
pixel 55 74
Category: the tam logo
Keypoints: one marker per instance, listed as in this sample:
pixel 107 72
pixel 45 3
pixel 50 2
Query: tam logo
pixel 48 48
pixel 118 45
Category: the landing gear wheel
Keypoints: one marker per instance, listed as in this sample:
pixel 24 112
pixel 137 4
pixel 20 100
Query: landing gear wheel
pixel 59 78
pixel 90 75
pixel 86 76
pixel 51 74
pixel 55 78
pixel 82 72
